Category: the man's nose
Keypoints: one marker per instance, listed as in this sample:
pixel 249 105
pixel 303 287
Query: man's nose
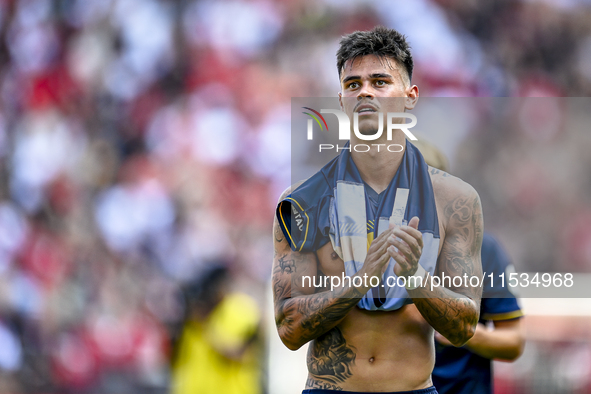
pixel 366 91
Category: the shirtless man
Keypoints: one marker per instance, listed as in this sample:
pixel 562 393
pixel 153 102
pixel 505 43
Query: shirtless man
pixel 386 347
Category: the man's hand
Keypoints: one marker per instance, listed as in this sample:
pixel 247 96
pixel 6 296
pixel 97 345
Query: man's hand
pixel 378 255
pixel 406 247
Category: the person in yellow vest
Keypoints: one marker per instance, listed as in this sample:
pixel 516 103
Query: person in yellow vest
pixel 218 350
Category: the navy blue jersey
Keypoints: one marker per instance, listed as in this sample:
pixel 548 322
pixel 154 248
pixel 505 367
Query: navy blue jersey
pixel 458 370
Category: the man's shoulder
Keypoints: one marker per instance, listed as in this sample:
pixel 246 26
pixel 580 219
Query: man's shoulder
pixel 448 188
pixel 458 203
pixel 290 189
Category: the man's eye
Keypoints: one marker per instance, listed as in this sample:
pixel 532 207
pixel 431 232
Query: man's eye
pixel 380 83
pixel 353 85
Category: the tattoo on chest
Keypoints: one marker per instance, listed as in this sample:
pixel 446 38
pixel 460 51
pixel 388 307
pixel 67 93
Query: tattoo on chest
pixel 330 358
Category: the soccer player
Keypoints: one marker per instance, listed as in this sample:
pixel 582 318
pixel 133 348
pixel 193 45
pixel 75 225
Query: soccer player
pixel 468 369
pixel 375 337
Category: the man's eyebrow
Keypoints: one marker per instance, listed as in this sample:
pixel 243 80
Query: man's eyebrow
pixel 373 76
pixel 351 77
pixel 380 75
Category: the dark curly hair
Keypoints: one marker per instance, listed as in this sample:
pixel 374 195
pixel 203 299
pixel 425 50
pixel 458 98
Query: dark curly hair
pixel 380 41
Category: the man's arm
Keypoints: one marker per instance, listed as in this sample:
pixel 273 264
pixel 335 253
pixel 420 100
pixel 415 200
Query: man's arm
pixel 451 311
pixel 505 342
pixel 300 314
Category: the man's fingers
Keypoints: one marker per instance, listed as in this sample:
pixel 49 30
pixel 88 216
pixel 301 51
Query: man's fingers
pixel 414 222
pixel 414 241
pixel 409 245
pixel 416 234
pixel 379 250
pixel 402 264
pixel 402 246
pixel 385 234
pixel 380 241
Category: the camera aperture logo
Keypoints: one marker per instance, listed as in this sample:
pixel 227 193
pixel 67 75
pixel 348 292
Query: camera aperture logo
pixel 310 131
pixel 345 129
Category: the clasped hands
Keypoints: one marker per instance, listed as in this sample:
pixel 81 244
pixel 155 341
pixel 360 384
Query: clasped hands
pixel 402 243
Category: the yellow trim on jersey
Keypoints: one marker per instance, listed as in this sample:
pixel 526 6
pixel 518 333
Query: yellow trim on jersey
pixel 503 316
pixel 307 223
pixel 369 239
pixel 284 225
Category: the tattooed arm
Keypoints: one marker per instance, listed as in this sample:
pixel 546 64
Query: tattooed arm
pixel 452 311
pixel 300 314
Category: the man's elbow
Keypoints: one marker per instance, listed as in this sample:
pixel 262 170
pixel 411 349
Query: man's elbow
pixel 516 350
pixel 510 356
pixel 289 341
pixel 468 330
pixel 293 346
pixel 463 336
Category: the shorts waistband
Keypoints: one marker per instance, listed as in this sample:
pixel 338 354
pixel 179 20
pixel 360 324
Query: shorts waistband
pixel 428 390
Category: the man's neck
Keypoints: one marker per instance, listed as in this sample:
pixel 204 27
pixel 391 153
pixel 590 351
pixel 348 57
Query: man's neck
pixel 378 168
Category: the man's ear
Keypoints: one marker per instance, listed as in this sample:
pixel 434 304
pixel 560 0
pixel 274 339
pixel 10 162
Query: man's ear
pixel 412 97
pixel 341 101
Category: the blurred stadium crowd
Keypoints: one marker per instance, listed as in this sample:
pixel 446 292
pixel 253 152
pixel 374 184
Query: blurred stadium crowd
pixel 142 141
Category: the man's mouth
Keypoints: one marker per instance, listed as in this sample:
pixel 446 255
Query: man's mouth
pixel 366 109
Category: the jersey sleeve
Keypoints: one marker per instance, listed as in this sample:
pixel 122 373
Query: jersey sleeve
pixel 498 302
pixel 304 215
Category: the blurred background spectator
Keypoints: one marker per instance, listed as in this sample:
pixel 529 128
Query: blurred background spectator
pixel 216 351
pixel 141 140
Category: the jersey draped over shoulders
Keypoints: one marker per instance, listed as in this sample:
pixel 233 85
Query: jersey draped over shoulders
pixel 336 205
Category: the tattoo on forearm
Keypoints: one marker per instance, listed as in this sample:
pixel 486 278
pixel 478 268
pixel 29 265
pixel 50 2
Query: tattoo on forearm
pixel 304 318
pixel 319 317
pixel 452 317
pixel 330 358
pixel 301 318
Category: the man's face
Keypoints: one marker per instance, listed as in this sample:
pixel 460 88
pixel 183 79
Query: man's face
pixel 365 81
